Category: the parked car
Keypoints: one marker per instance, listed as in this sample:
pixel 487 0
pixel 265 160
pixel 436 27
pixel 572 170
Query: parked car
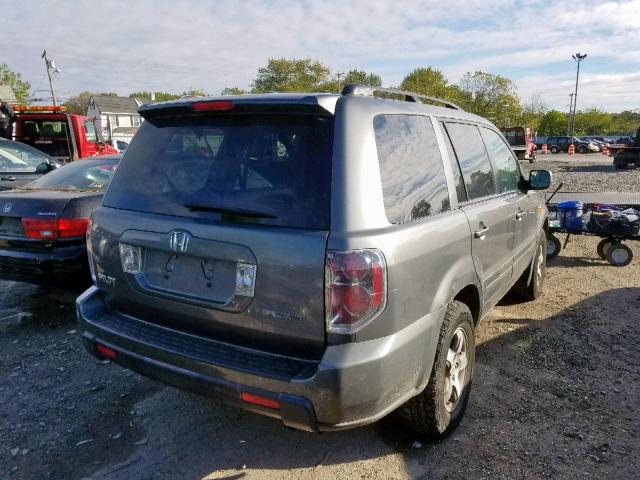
pixel 43 224
pixel 561 144
pixel 322 259
pixel 600 142
pixel 21 163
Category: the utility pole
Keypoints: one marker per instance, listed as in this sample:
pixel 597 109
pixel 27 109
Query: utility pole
pixel 51 65
pixel 570 112
pixel 339 76
pixel 578 58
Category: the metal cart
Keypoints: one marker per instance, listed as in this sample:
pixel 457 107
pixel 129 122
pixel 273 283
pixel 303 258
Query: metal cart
pixel 594 207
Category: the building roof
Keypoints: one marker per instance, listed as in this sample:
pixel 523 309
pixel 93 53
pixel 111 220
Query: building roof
pixel 7 95
pixel 112 104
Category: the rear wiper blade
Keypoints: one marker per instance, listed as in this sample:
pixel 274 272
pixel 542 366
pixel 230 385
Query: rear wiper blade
pixel 194 207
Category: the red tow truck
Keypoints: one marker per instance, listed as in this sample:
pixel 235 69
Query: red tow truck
pixel 64 136
pixel 521 142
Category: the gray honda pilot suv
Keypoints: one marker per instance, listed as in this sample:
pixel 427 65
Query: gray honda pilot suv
pixel 318 258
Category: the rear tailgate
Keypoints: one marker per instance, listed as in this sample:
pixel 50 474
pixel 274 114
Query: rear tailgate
pixel 229 214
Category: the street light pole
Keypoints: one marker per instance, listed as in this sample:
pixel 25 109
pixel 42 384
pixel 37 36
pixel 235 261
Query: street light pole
pixel 578 58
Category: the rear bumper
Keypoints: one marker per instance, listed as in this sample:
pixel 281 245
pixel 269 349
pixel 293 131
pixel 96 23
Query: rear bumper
pixel 68 265
pixel 351 385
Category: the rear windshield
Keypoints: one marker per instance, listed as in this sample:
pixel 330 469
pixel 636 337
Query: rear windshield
pixel 86 175
pixel 49 136
pixel 263 169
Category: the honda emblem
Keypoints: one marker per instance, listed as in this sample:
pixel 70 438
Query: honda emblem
pixel 178 241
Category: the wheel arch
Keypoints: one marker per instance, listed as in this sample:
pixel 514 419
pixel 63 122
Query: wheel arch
pixel 470 296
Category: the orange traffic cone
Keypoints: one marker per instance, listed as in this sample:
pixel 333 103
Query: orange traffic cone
pixel 605 149
pixel 572 149
pixel 544 149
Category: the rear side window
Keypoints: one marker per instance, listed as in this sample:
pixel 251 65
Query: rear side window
pixel 473 159
pixel 260 169
pixel 507 169
pixel 413 182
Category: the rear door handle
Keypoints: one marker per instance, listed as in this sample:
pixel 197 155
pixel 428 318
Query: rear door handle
pixel 481 233
pixel 9 179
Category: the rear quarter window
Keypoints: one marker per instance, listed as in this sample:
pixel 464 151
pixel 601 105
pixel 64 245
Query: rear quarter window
pixel 414 185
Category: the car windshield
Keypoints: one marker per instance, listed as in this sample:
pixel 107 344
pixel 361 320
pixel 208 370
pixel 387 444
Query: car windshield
pixel 266 169
pixel 18 157
pixel 91 175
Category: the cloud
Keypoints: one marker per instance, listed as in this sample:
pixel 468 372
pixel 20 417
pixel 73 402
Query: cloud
pixel 163 45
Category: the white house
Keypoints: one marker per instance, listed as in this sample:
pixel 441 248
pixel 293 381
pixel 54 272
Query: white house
pixel 117 118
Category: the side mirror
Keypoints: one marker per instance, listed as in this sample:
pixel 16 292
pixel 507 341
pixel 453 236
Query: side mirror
pixel 46 167
pixel 42 168
pixel 539 179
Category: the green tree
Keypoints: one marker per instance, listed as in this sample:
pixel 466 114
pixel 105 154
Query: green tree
pixel 491 96
pixel 429 81
pixel 14 80
pixel 233 91
pixel 625 122
pixel 532 113
pixel 553 122
pixel 194 92
pixel 296 75
pixel 593 121
pixel 338 81
pixel 159 96
pixel 360 76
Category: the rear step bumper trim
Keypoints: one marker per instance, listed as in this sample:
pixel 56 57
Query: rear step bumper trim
pixel 353 384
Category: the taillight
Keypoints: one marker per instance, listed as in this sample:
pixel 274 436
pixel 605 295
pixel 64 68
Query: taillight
pixel 44 229
pixel 356 290
pixel 72 227
pixel 50 229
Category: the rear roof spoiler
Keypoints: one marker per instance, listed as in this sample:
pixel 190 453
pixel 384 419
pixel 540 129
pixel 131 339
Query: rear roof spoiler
pixel 244 104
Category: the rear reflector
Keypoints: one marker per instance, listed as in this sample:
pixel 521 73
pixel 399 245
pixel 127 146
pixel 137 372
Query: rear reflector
pixel 212 106
pixel 106 352
pixel 259 400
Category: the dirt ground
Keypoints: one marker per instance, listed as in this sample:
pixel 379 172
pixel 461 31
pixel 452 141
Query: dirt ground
pixel 556 395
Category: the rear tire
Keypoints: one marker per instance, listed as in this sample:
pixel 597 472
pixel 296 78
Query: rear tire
pixel 603 246
pixel 440 407
pixel 531 288
pixel 619 255
pixel 554 149
pixel 553 246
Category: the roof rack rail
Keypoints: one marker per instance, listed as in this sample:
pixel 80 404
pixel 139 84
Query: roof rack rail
pixel 368 90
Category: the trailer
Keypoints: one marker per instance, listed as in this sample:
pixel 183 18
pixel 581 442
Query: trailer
pixel 612 216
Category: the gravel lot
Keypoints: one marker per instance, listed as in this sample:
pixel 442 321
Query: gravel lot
pixel 556 393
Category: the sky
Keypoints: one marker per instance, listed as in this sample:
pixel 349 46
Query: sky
pixel 156 45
